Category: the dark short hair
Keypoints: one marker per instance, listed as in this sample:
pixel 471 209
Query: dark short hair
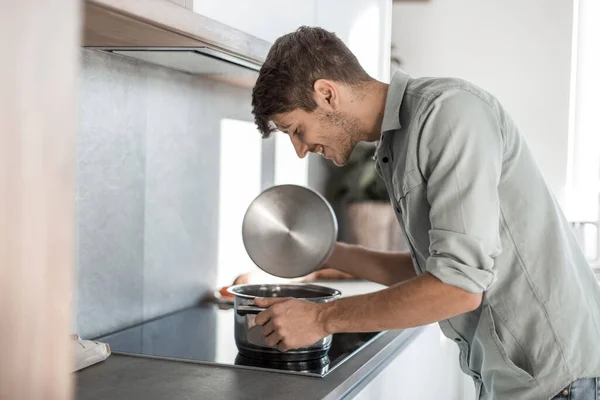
pixel 294 63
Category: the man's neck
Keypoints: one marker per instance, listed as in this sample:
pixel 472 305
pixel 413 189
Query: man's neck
pixel 372 107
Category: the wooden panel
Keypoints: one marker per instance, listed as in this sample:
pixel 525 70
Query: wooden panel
pixel 104 28
pixel 38 75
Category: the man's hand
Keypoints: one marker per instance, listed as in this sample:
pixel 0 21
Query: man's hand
pixel 290 323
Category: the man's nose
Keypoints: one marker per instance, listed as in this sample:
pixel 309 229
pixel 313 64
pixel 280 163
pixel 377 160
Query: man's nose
pixel 301 148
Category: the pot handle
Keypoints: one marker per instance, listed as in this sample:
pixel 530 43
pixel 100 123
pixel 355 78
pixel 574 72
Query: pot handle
pixel 249 310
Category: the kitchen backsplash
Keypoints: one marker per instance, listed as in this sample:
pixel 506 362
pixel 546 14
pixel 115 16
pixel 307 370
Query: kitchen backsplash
pixel 148 186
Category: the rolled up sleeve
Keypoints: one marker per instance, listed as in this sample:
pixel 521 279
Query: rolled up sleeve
pixel 460 156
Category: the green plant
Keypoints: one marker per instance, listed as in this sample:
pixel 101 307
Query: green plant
pixel 358 181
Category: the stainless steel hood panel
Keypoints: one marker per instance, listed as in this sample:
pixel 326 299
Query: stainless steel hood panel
pixel 201 61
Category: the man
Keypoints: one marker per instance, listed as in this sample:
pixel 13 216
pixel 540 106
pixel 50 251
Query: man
pixel 492 257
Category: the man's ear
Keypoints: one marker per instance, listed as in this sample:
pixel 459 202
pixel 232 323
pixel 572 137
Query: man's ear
pixel 326 94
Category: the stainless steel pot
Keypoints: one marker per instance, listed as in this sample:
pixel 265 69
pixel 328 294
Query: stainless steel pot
pixel 289 231
pixel 248 336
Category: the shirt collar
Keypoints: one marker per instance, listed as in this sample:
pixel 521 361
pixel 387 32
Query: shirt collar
pixel 393 101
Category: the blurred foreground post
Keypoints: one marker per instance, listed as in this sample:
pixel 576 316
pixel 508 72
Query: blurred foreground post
pixel 39 42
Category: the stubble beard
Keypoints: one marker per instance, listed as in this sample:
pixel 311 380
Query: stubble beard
pixel 347 134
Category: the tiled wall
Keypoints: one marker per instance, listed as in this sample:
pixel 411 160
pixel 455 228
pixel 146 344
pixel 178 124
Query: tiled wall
pixel 147 169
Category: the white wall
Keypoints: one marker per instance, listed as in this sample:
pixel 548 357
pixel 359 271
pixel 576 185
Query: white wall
pixel 519 51
pixel 364 25
pixel 266 19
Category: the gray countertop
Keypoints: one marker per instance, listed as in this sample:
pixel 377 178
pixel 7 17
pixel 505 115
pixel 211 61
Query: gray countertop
pixel 133 378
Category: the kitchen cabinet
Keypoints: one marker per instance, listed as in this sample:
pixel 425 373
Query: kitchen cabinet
pixel 427 369
pixel 167 34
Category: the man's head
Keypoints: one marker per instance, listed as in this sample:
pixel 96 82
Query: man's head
pixel 311 87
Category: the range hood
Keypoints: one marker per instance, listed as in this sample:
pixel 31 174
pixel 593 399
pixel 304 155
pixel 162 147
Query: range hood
pixel 166 34
pixel 198 61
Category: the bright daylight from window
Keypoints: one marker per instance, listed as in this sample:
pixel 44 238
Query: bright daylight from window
pixel 583 192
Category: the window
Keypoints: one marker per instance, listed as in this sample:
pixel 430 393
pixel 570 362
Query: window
pixel 583 192
pixel 288 167
pixel 239 184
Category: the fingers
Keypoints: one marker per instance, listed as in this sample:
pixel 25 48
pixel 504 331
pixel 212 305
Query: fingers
pixel 267 329
pixel 263 317
pixel 282 346
pixel 268 302
pixel 278 327
pixel 273 339
pixel 277 339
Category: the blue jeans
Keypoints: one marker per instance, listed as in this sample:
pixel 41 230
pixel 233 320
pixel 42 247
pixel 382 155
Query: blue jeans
pixel 581 389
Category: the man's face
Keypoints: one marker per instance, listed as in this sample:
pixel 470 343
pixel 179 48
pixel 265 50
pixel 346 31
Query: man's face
pixel 332 133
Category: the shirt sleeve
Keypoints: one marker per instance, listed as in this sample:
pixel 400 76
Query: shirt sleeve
pixel 460 156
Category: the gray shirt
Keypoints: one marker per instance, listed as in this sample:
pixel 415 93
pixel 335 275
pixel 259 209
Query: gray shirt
pixel 478 215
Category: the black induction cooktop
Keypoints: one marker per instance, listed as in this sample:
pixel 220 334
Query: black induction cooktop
pixel 205 335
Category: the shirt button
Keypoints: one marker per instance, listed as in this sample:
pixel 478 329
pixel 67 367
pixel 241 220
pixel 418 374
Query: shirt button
pixel 385 159
pixel 398 210
pixel 458 339
pixel 565 392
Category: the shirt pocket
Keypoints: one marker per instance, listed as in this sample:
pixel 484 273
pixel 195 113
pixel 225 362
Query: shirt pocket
pixel 404 184
pixel 412 205
pixel 501 363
